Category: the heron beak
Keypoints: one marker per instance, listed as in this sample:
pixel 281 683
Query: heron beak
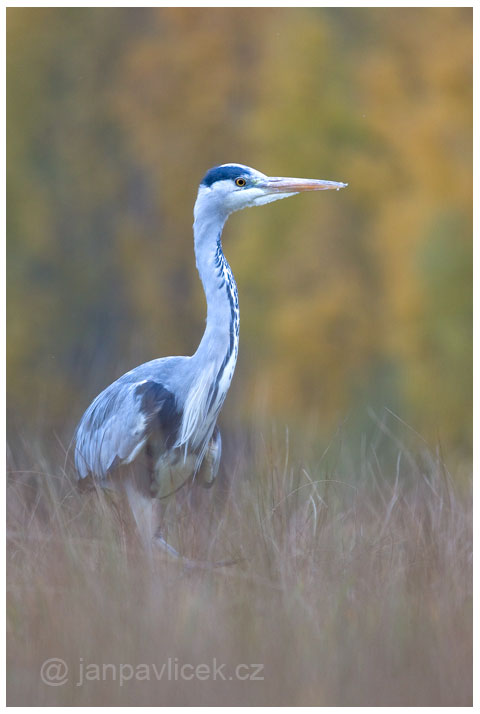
pixel 279 184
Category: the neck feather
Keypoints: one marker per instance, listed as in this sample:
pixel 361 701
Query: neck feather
pixel 220 338
pixel 216 355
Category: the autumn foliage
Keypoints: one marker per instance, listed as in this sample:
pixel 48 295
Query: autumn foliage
pixel 349 301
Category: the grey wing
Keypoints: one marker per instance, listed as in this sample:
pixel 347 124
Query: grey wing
pixel 118 423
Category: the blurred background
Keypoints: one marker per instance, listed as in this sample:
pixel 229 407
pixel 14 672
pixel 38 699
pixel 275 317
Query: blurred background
pixel 351 541
pixel 351 301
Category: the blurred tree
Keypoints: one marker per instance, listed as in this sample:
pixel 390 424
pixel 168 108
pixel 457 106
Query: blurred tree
pixel 66 307
pixel 417 85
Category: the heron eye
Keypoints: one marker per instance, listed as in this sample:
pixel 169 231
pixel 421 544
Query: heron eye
pixel 240 182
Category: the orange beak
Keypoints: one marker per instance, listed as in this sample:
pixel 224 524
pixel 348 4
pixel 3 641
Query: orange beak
pixel 279 184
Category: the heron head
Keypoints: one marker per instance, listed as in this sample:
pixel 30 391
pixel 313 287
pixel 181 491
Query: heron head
pixel 230 187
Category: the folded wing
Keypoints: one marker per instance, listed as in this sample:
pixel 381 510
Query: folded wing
pixel 118 423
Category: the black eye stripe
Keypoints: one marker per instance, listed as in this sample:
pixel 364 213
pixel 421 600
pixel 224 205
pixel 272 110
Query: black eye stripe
pixel 223 173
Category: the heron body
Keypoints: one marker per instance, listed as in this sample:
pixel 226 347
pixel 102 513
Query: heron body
pixel 161 416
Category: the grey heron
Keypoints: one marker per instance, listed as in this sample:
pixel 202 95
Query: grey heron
pixel 155 427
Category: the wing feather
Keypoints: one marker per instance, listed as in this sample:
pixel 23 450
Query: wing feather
pixel 118 423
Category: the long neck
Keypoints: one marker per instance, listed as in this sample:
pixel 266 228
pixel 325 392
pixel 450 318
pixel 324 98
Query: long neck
pixel 220 340
pixel 214 361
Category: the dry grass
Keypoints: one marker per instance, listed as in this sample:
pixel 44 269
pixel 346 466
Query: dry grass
pixel 354 588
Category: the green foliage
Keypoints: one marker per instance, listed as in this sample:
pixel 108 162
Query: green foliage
pixel 113 116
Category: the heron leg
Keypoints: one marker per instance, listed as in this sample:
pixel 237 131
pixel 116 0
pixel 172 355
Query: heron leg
pixel 162 543
pixel 144 511
pixel 142 508
pixel 188 562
